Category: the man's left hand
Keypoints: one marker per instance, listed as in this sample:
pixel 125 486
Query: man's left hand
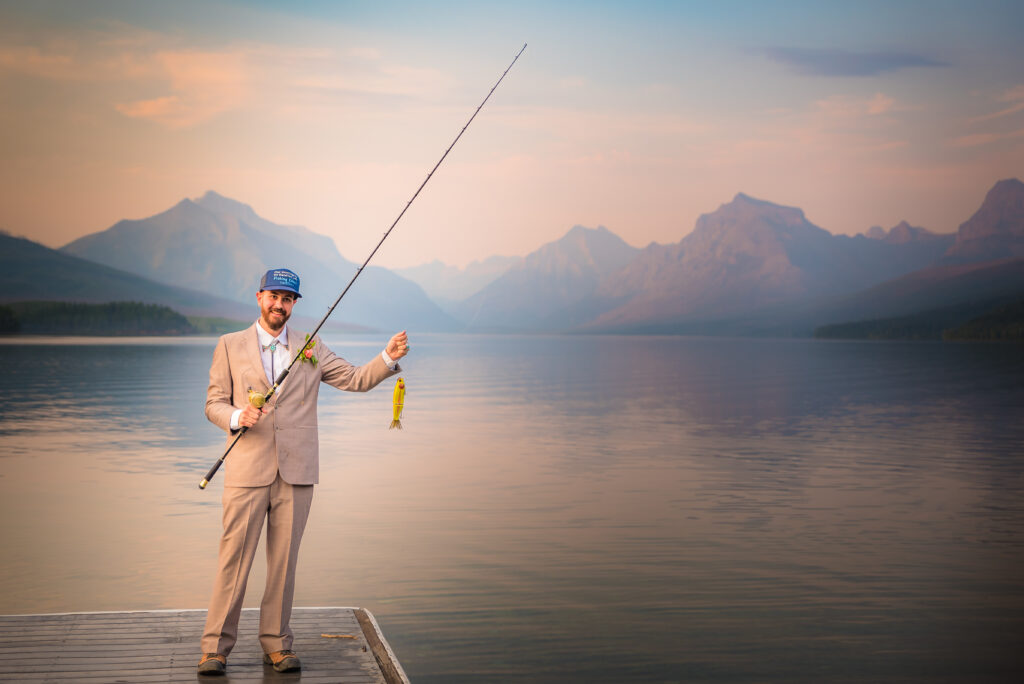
pixel 398 346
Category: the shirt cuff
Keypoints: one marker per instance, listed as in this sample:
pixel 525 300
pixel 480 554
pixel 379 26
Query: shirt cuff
pixel 234 419
pixel 391 363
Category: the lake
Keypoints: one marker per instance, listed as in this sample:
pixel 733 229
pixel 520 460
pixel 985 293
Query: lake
pixel 565 508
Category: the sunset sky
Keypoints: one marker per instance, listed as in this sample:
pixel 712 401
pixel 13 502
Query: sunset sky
pixel 638 116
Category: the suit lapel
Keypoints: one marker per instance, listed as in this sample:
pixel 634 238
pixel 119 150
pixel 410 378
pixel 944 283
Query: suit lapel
pixel 297 375
pixel 252 355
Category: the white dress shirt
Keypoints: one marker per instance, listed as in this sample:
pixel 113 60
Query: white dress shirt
pixel 277 353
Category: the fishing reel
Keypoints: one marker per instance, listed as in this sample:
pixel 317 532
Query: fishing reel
pixel 256 399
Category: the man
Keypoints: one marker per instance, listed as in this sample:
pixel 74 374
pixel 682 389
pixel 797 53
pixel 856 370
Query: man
pixel 271 471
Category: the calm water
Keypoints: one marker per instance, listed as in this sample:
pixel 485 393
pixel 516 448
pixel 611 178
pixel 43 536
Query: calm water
pixel 586 509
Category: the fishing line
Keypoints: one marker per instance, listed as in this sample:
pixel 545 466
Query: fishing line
pixel 280 378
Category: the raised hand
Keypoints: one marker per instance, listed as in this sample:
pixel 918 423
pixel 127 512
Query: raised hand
pixel 398 346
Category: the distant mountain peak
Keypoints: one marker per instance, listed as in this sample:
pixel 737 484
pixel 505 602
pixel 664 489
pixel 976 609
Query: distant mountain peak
pixel 1004 201
pixel 746 215
pixel 579 230
pixel 219 204
pixel 541 288
pixel 876 233
pixel 446 284
pixel 214 195
pixel 903 232
pixel 996 230
pixel 744 197
pixel 595 248
pixel 584 233
pixel 744 207
pixel 1006 185
pixel 184 210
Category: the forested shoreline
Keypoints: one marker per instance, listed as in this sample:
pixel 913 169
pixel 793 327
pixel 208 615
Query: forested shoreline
pixel 991 321
pixel 112 318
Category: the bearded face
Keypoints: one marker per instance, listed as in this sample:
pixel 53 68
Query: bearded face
pixel 275 308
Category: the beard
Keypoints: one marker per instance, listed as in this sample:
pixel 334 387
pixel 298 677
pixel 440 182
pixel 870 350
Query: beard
pixel 271 320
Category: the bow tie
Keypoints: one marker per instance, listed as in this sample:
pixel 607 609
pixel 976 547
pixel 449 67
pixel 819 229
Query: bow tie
pixel 274 345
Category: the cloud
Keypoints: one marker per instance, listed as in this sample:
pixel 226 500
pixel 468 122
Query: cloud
pixel 1013 109
pixel 157 77
pixel 203 84
pixel 978 139
pixel 197 85
pixel 200 85
pixel 856 131
pixel 34 62
pixel 836 62
pixel 158 108
pixel 844 107
pixel 1014 96
pixel 880 104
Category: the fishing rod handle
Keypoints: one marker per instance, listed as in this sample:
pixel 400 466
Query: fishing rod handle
pixel 209 475
pixel 266 397
pixel 216 466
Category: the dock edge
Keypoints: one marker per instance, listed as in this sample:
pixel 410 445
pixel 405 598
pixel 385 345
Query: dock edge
pixel 386 659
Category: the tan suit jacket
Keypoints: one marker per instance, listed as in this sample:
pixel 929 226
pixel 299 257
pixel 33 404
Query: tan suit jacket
pixel 285 440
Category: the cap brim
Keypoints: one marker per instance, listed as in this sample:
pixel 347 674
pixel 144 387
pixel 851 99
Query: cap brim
pixel 281 289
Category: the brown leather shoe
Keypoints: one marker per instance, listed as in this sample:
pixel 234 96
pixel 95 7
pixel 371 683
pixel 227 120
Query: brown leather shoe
pixel 212 664
pixel 283 661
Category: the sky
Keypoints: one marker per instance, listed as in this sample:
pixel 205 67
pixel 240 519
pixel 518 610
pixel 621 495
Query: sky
pixel 637 116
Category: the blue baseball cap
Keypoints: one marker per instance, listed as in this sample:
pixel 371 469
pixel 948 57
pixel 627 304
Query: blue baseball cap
pixel 280 279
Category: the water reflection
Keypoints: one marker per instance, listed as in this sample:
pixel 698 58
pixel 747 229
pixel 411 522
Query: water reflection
pixel 598 509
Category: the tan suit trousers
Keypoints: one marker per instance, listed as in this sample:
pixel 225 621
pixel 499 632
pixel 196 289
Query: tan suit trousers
pixel 286 508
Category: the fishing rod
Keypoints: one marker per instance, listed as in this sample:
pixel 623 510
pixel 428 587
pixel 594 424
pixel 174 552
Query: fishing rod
pixel 263 399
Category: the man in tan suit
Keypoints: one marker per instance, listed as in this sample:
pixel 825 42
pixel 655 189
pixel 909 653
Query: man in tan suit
pixel 271 471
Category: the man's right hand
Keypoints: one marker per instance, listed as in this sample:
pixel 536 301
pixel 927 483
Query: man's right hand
pixel 250 416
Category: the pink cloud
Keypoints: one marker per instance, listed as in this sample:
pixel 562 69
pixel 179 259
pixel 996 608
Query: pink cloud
pixel 34 62
pixel 847 107
pixel 1000 114
pixel 1013 95
pixel 977 139
pixel 205 84
pixel 880 104
pixel 166 110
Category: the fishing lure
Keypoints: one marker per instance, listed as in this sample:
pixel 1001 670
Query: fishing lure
pixel 397 404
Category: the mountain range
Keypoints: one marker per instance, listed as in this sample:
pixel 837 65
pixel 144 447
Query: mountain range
pixel 33 272
pixel 215 244
pixel 447 285
pixel 754 267
pixel 748 255
pixel 751 267
pixel 542 290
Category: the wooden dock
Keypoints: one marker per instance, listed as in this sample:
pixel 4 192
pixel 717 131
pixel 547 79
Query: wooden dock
pixel 343 645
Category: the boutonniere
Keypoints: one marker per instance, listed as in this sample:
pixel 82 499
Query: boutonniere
pixel 307 352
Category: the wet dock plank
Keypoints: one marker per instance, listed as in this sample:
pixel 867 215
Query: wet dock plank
pixel 163 646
